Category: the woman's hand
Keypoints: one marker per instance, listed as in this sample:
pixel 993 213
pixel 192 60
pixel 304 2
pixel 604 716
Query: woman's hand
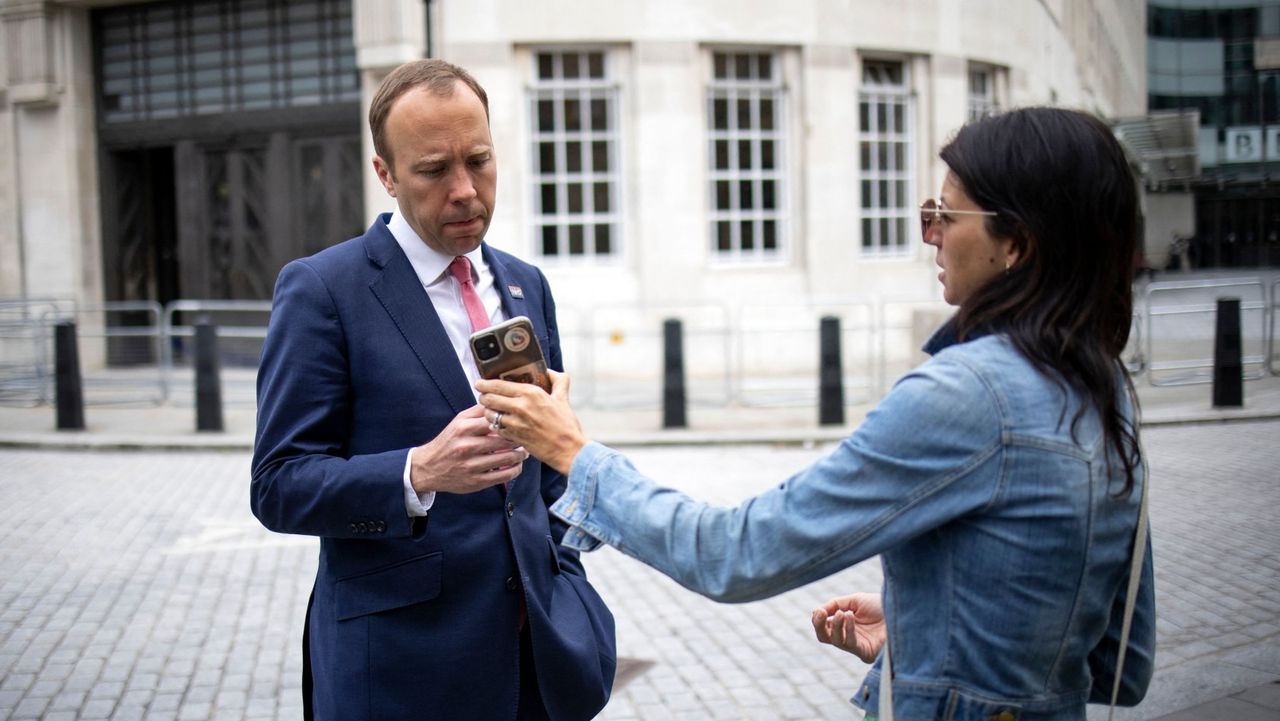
pixel 853 623
pixel 544 424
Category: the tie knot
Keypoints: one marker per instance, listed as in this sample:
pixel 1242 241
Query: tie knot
pixel 461 269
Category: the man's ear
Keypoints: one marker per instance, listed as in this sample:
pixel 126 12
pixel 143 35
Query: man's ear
pixel 385 176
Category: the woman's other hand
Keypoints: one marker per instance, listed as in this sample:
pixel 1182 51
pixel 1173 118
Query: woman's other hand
pixel 853 623
pixel 544 424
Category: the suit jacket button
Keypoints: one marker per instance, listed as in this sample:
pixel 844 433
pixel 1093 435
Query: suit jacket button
pixel 364 527
pixel 353 528
pixel 511 509
pixel 511 583
pixel 380 527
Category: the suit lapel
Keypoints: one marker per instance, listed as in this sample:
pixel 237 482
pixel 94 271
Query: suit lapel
pixel 509 287
pixel 400 292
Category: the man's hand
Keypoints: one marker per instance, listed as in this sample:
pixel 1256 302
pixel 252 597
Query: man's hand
pixel 466 457
pixel 853 623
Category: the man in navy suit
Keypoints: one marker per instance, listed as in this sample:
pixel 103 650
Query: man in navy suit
pixel 442 591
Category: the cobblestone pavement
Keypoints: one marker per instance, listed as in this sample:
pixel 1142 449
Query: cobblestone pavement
pixel 136 585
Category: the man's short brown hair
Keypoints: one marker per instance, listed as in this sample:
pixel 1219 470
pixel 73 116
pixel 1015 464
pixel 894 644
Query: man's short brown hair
pixel 438 76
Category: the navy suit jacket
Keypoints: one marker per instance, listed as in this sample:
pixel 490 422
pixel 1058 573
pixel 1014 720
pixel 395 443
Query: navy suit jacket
pixel 412 619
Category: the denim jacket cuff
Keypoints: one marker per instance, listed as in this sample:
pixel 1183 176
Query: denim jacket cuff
pixel 575 504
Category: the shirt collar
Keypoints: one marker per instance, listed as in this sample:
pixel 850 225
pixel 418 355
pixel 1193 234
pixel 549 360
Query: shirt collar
pixel 428 263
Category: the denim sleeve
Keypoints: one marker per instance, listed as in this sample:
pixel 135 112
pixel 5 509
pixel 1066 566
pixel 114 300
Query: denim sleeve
pixel 930 452
pixel 1139 657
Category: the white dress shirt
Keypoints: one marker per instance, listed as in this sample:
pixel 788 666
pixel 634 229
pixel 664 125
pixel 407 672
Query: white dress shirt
pixel 432 268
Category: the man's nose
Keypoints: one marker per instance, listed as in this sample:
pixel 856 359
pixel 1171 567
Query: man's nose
pixel 461 186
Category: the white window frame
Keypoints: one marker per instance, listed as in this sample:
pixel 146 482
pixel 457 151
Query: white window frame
pixel 886 161
pixel 981 83
pixel 735 226
pixel 576 217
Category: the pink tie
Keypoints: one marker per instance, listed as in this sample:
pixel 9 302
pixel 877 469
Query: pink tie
pixel 461 270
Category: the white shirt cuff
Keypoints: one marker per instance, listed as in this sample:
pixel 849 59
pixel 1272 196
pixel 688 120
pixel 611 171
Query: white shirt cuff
pixel 417 504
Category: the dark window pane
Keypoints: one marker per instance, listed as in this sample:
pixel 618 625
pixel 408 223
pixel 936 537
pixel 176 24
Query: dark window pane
pixel 882 186
pixel 599 114
pixel 572 115
pixel 744 155
pixel 570 66
pixel 575 197
pixel 864 155
pixel 866 232
pixel 768 195
pixel 546 116
pixel 547 158
pixel 900 156
pixel 719 62
pixel 748 230
pixel 900 231
pixel 882 122
pixel 722 155
pixel 770 235
pixel 548 198
pixel 546 66
pixel 600 156
pixel 601 197
pixel 742 66
pixel 604 244
pixel 900 194
pixel 766 114
pixel 864 117
pixel 720 114
pixel 744 114
pixel 723 240
pixel 766 155
pixel 899 118
pixel 885 237
pixel 866 194
pixel 573 157
pixel 722 195
pixel 595 65
pixel 745 195
pixel 766 66
pixel 576 242
pixel 549 244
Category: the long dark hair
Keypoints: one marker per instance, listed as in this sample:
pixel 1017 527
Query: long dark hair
pixel 1064 193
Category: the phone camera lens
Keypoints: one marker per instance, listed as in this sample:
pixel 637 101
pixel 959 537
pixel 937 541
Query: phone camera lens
pixel 487 348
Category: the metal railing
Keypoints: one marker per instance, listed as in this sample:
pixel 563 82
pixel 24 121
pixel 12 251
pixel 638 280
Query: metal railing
pixel 1183 345
pixel 759 354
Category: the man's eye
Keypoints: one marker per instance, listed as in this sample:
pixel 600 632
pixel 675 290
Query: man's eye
pixel 433 171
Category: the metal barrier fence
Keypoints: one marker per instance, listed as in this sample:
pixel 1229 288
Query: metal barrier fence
pixel 1176 349
pixel 1274 310
pixel 242 326
pixel 759 354
pixel 120 346
pixel 26 350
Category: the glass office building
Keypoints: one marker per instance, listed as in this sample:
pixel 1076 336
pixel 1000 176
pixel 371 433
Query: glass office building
pixel 1222 58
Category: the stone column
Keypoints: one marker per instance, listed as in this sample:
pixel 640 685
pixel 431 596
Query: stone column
pixel 387 33
pixel 50 235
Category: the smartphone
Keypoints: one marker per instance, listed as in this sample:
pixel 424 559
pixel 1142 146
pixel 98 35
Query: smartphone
pixel 510 351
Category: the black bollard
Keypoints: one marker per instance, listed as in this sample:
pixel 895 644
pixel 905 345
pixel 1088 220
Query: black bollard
pixel 68 391
pixel 1228 368
pixel 673 396
pixel 208 378
pixel 830 374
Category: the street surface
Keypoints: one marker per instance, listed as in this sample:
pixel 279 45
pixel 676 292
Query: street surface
pixel 137 585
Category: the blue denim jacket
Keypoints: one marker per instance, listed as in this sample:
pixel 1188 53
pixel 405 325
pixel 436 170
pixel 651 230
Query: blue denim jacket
pixel 1005 551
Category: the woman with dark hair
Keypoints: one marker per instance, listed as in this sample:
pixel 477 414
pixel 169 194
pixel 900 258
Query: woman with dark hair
pixel 1001 482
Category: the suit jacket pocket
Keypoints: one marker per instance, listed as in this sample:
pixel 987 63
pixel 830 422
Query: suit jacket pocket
pixel 402 584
